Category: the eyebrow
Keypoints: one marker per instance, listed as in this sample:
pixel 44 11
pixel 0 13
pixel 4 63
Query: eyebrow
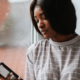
pixel 39 15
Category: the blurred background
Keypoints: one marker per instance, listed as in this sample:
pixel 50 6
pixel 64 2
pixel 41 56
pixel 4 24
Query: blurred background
pixel 15 23
pixel 77 7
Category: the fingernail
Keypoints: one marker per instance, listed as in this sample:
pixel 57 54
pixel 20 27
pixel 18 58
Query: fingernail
pixel 18 77
pixel 11 73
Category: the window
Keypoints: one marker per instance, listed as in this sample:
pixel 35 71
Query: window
pixel 77 7
pixel 15 23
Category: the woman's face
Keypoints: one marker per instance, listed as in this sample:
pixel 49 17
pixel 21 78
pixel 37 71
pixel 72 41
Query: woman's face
pixel 43 23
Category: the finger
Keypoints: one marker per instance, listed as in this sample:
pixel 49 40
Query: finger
pixel 18 78
pixel 8 77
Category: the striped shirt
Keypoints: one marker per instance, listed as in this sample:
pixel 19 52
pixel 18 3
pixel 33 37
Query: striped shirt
pixel 49 60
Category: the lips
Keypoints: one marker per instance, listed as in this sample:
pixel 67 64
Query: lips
pixel 43 31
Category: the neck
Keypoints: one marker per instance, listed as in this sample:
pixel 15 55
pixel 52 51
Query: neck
pixel 62 38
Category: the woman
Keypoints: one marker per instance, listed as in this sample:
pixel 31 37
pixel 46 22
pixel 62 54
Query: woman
pixel 56 57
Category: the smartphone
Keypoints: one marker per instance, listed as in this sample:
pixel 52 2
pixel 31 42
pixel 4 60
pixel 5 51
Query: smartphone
pixel 5 71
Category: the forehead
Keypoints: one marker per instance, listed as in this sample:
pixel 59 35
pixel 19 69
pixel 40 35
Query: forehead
pixel 37 10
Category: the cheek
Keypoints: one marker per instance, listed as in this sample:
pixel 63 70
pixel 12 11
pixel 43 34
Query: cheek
pixel 51 32
pixel 48 24
pixel 38 25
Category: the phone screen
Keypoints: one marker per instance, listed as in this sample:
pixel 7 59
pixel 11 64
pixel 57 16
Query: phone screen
pixel 3 71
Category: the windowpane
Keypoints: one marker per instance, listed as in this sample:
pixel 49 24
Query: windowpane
pixel 77 7
pixel 15 23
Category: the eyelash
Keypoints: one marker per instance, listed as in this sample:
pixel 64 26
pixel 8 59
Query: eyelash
pixel 43 19
pixel 37 21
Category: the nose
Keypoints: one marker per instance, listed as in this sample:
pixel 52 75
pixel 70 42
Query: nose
pixel 40 24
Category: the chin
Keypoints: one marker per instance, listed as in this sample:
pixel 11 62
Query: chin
pixel 46 37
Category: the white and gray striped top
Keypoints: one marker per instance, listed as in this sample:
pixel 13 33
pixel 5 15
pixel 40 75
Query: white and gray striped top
pixel 49 60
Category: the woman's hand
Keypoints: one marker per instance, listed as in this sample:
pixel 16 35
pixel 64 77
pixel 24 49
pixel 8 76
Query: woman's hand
pixel 9 76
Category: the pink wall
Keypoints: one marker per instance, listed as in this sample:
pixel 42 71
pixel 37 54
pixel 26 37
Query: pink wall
pixel 4 5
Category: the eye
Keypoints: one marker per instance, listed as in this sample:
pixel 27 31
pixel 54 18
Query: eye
pixel 43 17
pixel 37 21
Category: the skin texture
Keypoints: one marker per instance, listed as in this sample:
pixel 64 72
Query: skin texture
pixel 45 27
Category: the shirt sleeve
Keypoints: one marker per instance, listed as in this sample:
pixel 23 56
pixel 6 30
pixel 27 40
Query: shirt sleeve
pixel 29 67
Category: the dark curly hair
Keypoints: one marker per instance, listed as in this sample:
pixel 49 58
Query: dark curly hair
pixel 60 13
